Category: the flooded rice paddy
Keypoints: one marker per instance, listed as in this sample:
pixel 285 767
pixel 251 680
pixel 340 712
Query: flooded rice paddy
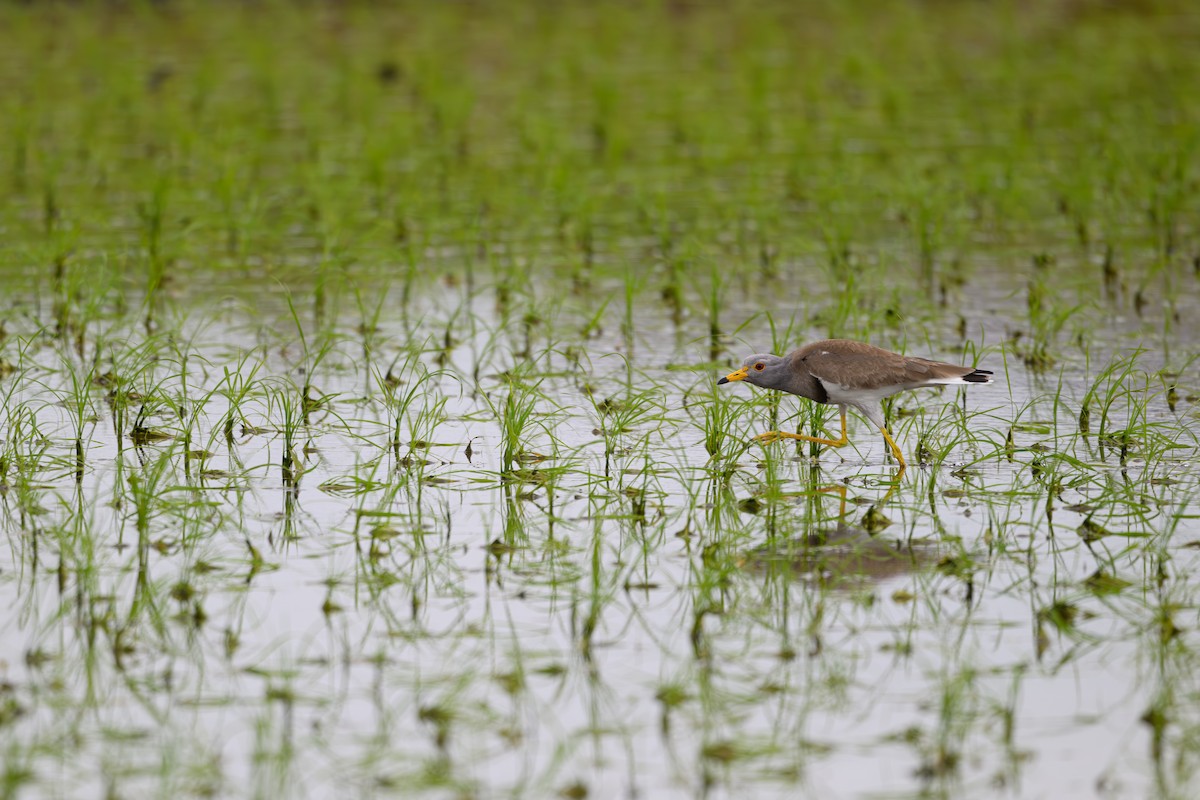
pixel 361 434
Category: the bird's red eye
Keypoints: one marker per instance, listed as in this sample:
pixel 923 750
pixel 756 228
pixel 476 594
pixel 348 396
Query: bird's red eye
pixel 759 367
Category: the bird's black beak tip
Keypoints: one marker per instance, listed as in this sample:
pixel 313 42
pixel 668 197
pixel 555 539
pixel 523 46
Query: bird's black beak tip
pixel 722 381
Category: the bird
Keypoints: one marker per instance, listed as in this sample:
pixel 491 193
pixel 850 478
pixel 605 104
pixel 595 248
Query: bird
pixel 848 374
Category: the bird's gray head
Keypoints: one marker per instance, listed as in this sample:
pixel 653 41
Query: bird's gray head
pixel 764 369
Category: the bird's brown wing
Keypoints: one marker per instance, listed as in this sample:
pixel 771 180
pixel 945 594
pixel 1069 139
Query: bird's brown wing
pixel 862 366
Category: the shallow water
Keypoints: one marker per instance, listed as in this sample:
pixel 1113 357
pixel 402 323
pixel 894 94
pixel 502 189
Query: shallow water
pixel 636 624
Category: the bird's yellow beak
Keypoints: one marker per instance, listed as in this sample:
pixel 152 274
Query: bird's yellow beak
pixel 740 375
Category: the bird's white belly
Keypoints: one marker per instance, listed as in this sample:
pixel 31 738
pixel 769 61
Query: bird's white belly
pixel 865 400
pixel 854 396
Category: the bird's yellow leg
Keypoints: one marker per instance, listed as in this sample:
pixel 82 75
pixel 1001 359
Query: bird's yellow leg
pixel 887 437
pixel 774 436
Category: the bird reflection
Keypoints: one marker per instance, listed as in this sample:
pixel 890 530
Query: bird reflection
pixel 845 558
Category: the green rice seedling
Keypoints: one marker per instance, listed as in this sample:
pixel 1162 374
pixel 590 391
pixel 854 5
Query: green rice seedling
pixel 844 317
pixel 285 405
pixel 721 442
pixel 426 422
pixel 326 279
pixel 928 218
pixel 517 414
pixel 673 289
pixel 153 215
pixel 310 362
pixel 405 390
pixel 1046 319
pixel 80 300
pixel 620 415
pixel 1113 390
pixel 241 205
pixel 188 410
pixel 631 288
pixel 60 236
pixel 15 412
pixel 79 404
pixel 506 284
pixel 452 335
pixel 133 379
pixel 1170 174
pixel 715 300
pixel 953 430
pixel 237 386
pixel 28 458
pixel 1078 197
pixel 156 408
pixel 532 322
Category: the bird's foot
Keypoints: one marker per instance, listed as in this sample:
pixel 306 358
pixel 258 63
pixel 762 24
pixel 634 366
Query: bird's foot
pixel 775 436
